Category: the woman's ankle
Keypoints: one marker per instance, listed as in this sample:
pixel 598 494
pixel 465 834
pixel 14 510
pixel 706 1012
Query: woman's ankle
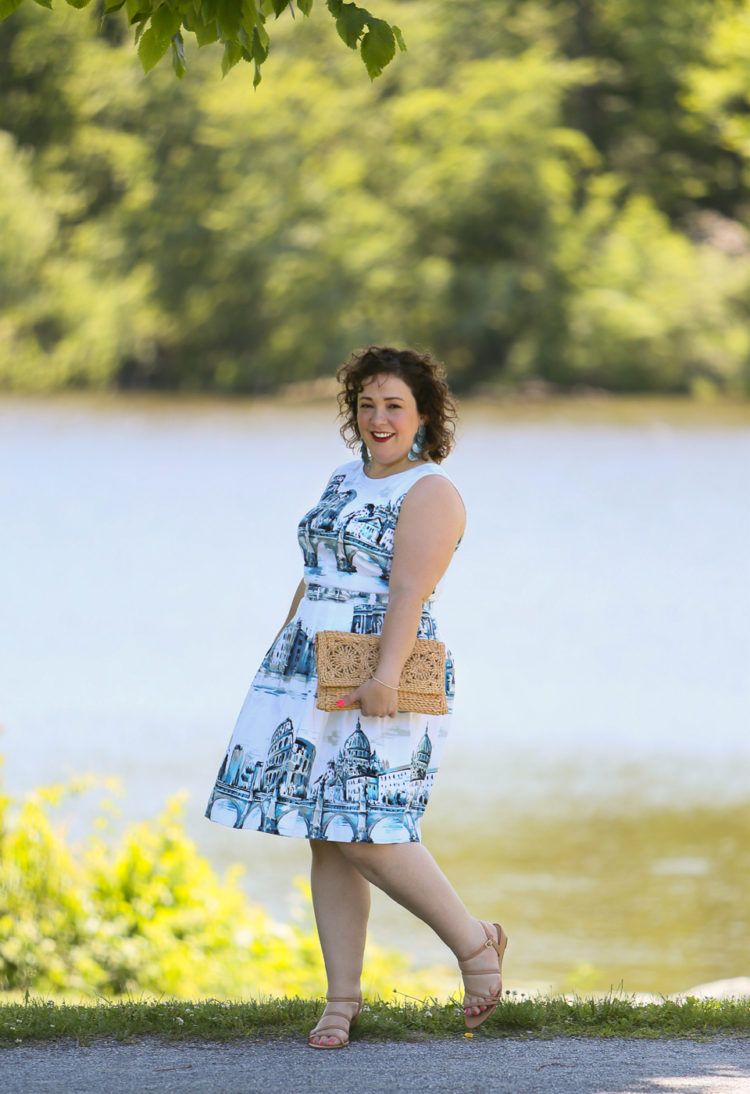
pixel 344 994
pixel 474 936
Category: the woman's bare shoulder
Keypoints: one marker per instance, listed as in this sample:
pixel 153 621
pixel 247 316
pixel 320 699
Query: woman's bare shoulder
pixel 434 496
pixel 434 483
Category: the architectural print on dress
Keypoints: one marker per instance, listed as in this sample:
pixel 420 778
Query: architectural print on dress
pixel 357 792
pixel 293 653
pixel 319 523
pixel 359 539
pixel 450 677
pixel 368 618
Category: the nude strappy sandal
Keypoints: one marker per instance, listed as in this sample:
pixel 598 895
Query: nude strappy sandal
pixel 333 1029
pixel 489 1002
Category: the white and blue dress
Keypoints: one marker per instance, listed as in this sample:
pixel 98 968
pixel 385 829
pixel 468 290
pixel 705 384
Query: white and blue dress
pixel 293 770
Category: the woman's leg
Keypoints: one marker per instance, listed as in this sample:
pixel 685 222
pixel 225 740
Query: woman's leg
pixel 341 901
pixel 408 873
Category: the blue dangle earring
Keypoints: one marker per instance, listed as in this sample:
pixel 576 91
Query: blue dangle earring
pixel 415 452
pixel 364 454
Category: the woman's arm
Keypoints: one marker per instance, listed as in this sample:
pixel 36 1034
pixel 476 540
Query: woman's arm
pixel 430 523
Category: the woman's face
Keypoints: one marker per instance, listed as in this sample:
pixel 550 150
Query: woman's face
pixel 387 419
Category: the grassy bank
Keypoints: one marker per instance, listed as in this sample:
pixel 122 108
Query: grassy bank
pixel 612 1016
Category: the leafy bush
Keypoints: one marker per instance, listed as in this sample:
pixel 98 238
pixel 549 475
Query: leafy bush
pixel 149 914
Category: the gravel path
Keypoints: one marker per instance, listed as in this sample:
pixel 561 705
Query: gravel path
pixel 558 1066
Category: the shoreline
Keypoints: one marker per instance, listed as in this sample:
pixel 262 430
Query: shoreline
pixel 535 405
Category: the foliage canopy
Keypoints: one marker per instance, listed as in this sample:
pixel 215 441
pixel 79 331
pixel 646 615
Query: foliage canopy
pixel 547 191
pixel 239 26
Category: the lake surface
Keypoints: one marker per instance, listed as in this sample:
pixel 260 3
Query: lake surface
pixel 596 785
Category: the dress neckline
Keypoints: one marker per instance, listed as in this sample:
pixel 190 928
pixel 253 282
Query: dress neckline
pixel 396 474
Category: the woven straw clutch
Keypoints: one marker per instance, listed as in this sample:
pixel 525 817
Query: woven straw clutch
pixel 346 660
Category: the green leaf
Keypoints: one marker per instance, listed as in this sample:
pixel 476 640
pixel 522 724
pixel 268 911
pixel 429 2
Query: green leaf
pixel 399 38
pixel 278 6
pixel 350 24
pixel 260 45
pixel 232 54
pixel 110 6
pixel 78 3
pixel 151 49
pixel 7 7
pixel 137 9
pixel 305 6
pixel 206 33
pixel 257 77
pixel 178 56
pixel 228 18
pixel 378 47
pixel 250 15
pixel 45 4
pixel 165 21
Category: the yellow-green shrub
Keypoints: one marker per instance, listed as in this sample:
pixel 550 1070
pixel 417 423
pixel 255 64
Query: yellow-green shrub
pixel 147 914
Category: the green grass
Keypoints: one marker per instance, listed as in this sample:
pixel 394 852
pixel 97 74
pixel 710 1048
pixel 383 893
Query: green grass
pixel 213 1020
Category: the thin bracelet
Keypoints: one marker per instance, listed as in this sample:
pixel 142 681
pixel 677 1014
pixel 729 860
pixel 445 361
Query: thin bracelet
pixel 384 683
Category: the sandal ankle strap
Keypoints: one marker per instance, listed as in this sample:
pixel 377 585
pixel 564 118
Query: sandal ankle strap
pixel 489 943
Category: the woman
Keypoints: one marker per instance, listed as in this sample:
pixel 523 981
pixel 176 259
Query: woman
pixel 355 782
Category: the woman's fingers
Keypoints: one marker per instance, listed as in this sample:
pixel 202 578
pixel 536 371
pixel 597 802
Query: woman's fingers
pixel 376 701
pixel 347 700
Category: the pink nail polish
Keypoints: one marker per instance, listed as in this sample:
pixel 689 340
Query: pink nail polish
pixel 340 703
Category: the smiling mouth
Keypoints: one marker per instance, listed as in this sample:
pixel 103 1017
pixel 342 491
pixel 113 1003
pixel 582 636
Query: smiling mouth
pixel 380 437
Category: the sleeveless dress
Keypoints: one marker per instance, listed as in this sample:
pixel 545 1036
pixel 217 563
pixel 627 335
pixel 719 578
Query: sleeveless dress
pixel 293 770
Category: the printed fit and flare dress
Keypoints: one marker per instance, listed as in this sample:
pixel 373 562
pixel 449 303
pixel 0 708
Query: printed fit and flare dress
pixel 293 770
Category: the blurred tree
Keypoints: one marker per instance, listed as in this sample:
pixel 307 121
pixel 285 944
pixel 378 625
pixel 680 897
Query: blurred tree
pixel 716 87
pixel 632 111
pixel 216 239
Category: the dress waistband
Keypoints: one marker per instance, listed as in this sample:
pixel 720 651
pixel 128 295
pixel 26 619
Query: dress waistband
pixel 313 591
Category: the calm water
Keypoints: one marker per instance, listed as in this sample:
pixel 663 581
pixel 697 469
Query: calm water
pixel 596 785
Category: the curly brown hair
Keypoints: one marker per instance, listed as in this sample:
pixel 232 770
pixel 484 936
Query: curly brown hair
pixel 426 379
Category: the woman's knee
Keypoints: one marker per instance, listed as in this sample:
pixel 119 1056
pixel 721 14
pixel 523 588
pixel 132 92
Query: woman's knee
pixel 324 850
pixel 369 858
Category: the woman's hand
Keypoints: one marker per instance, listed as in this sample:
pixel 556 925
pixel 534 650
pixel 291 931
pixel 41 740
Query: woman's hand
pixel 376 700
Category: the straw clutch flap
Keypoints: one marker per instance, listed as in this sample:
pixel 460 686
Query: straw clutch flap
pixel 346 660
